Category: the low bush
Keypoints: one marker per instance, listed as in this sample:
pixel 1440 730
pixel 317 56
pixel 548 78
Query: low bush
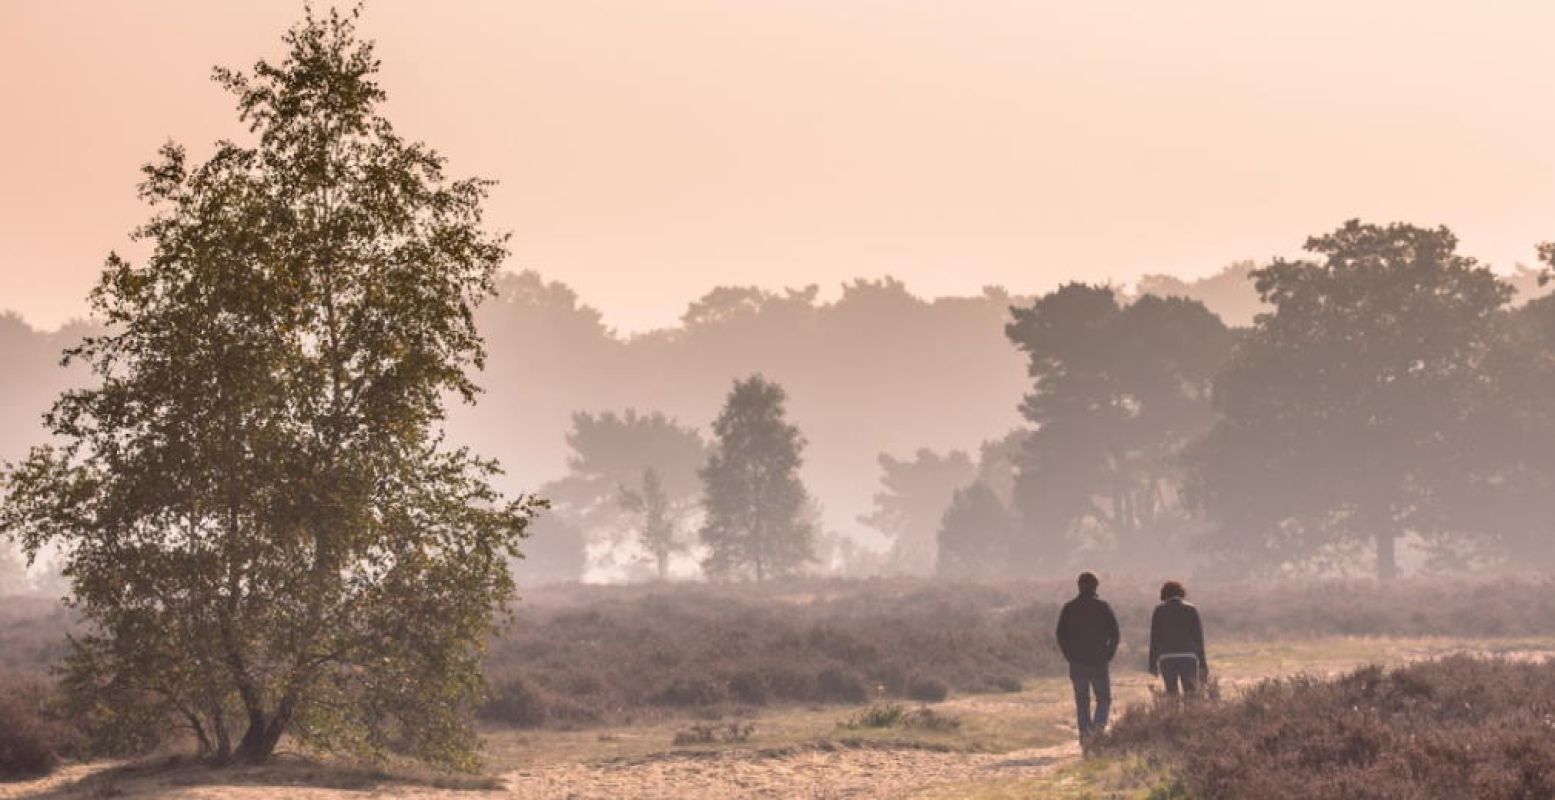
pixel 580 654
pixel 927 690
pixel 516 701
pixel 879 715
pixel 731 733
pixel 31 741
pixel 839 685
pixel 896 715
pixel 1453 728
pixel 605 652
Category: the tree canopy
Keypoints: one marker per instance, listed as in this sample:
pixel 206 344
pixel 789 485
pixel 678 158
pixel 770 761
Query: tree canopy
pixel 976 536
pixel 1118 391
pixel 911 501
pixel 260 523
pixel 757 515
pixel 1348 411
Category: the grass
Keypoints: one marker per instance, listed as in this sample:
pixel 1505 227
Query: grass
pixel 1121 778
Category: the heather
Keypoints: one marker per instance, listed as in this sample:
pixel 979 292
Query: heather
pixel 585 654
pixel 1451 728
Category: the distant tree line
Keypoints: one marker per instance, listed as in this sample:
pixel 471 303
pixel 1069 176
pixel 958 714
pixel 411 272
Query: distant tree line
pixel 1389 392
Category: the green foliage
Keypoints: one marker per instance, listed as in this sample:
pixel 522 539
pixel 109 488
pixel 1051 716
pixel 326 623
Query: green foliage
pixel 262 529
pixel 755 505
pixel 896 715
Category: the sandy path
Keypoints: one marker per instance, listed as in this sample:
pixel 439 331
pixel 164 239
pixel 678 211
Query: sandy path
pixel 810 774
pixel 803 773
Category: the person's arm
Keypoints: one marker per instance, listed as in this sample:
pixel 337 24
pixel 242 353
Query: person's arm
pixel 1198 643
pixel 1155 636
pixel 1113 636
pixel 1062 634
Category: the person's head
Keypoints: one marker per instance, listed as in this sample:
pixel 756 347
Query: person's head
pixel 1172 589
pixel 1089 582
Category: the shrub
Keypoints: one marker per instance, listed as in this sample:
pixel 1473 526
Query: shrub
pixel 896 715
pixel 879 715
pixel 836 685
pixel 927 690
pixel 749 687
pixel 732 733
pixel 690 690
pixel 607 652
pixel 928 719
pixel 28 743
pixel 1451 728
pixel 515 700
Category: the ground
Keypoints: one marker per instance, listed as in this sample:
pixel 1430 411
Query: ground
pixel 1017 745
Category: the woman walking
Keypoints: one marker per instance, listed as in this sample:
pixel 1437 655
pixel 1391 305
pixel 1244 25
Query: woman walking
pixel 1177 641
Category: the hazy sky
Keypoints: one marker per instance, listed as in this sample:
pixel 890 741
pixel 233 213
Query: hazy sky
pixel 650 150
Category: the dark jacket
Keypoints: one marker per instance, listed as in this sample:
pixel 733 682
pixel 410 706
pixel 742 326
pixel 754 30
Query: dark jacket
pixel 1175 628
pixel 1088 631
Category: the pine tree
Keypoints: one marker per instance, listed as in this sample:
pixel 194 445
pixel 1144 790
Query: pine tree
pixel 754 502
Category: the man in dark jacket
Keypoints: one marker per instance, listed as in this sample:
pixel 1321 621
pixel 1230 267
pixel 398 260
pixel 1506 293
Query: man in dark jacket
pixel 1177 641
pixel 1088 637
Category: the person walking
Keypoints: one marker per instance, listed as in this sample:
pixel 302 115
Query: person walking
pixel 1088 637
pixel 1177 641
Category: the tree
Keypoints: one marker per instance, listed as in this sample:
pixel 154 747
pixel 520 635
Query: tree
pixel 975 536
pixel 911 502
pixel 1347 411
pixel 1119 391
pixel 1499 490
pixel 1229 293
pixel 757 513
pixel 610 452
pixel 997 461
pixel 262 528
pixel 660 532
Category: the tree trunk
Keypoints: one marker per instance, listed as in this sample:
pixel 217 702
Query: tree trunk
pixel 262 736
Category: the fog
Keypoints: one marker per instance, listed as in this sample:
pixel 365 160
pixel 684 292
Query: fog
pixel 902 401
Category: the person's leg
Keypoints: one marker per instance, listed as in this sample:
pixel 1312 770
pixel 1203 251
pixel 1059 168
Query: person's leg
pixel 1190 675
pixel 1082 698
pixel 1102 683
pixel 1169 674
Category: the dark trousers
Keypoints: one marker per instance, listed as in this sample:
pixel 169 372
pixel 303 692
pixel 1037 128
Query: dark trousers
pixel 1088 679
pixel 1180 669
